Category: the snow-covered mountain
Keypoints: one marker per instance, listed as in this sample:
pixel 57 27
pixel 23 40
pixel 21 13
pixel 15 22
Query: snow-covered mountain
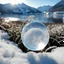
pixel 44 8
pixel 18 9
pixel 58 7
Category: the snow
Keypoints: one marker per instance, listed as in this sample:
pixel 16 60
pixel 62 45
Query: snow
pixel 18 8
pixel 58 6
pixel 11 54
pixel 3 35
pixel 44 8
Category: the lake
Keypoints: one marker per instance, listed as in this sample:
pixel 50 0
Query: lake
pixel 46 18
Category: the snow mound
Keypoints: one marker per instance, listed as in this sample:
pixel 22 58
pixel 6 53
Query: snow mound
pixel 11 54
pixel 3 35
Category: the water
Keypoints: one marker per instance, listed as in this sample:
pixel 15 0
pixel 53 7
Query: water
pixel 46 18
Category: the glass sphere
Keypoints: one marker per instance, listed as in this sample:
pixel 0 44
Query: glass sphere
pixel 35 36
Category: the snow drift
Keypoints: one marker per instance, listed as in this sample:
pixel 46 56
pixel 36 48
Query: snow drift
pixel 11 54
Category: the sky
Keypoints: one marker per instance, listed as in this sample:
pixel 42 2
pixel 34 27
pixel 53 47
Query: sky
pixel 33 3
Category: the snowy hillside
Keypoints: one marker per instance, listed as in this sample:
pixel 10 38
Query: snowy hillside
pixel 18 9
pixel 44 8
pixel 58 7
pixel 11 54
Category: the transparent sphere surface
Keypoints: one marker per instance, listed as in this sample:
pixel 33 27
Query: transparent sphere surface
pixel 35 36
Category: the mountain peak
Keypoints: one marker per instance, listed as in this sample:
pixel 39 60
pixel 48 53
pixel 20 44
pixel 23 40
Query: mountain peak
pixel 44 8
pixel 58 7
pixel 23 4
pixel 18 9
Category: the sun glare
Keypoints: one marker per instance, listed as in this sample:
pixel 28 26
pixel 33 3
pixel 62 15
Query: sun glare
pixel 13 2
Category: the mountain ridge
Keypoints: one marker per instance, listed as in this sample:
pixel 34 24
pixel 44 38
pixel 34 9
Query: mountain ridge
pixel 58 7
pixel 44 8
pixel 18 9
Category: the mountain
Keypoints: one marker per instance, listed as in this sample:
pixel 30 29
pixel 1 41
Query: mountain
pixel 44 8
pixel 58 7
pixel 18 9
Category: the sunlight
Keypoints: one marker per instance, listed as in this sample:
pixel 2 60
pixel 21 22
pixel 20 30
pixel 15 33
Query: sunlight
pixel 41 45
pixel 8 19
pixel 13 2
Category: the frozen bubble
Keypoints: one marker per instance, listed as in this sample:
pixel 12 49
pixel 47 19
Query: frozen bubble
pixel 35 36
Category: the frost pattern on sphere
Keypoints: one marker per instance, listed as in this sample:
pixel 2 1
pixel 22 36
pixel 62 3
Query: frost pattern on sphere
pixel 35 36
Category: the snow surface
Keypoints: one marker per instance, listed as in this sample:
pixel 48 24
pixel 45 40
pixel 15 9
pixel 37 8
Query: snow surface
pixel 11 54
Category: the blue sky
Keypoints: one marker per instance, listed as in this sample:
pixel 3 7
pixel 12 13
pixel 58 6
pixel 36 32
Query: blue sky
pixel 33 3
pixel 36 3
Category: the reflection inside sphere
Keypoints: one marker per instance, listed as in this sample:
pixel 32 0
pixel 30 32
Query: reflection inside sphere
pixel 35 36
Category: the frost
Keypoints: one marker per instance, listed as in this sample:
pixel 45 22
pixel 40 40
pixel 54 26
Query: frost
pixel 11 54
